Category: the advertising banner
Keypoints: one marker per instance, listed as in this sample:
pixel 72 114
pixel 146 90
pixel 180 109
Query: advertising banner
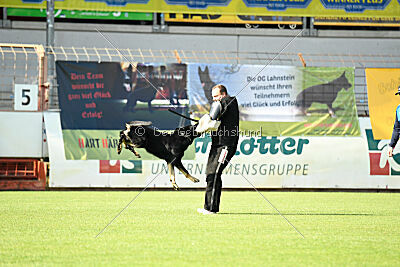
pixel 232 19
pixel 281 100
pixel 267 162
pixel 97 99
pixel 80 14
pixel 358 21
pixel 382 85
pixel 300 8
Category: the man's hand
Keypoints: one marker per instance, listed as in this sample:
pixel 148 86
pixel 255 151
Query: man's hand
pixel 390 152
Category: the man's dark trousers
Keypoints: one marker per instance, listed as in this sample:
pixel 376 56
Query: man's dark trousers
pixel 211 170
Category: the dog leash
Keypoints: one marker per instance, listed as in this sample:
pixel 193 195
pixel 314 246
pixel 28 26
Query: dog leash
pixel 176 113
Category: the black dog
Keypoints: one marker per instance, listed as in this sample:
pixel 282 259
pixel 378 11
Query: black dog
pixel 206 83
pixel 323 93
pixel 167 146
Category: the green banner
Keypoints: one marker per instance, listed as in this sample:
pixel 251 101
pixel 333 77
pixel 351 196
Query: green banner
pixel 318 120
pixel 281 100
pixel 102 144
pixel 80 14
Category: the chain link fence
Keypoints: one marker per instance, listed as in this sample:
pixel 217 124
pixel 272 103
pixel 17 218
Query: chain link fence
pixel 27 64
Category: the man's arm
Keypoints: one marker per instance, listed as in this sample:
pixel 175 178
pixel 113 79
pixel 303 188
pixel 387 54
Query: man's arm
pixel 215 110
pixel 210 122
pixel 395 133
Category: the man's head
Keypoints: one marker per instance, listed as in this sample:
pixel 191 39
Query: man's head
pixel 218 92
pixel 398 91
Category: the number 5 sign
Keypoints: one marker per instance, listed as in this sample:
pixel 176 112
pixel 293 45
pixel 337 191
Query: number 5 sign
pixel 26 97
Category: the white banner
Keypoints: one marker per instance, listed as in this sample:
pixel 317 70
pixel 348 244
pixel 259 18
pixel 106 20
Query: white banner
pixel 267 162
pixel 265 93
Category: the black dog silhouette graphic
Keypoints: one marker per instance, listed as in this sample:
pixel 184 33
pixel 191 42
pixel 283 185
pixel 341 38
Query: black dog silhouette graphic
pixel 322 93
pixel 206 83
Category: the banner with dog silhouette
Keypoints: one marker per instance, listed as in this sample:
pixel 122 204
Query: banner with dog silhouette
pixel 97 99
pixel 281 100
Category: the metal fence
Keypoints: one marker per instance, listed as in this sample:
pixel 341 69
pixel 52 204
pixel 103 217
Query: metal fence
pixel 27 64
pixel 20 64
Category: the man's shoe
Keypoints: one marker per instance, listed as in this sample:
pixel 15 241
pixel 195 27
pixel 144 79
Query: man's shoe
pixel 205 212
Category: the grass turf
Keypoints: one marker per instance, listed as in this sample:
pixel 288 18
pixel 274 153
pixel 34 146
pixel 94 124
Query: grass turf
pixel 163 228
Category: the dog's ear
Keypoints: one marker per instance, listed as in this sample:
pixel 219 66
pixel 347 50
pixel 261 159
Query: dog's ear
pixel 344 74
pixel 200 71
pixel 206 69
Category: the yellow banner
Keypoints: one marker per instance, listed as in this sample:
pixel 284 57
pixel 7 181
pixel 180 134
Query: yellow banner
pixel 382 85
pixel 327 8
pixel 231 19
pixel 356 21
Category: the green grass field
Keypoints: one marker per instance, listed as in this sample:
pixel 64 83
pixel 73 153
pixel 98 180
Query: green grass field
pixel 163 228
